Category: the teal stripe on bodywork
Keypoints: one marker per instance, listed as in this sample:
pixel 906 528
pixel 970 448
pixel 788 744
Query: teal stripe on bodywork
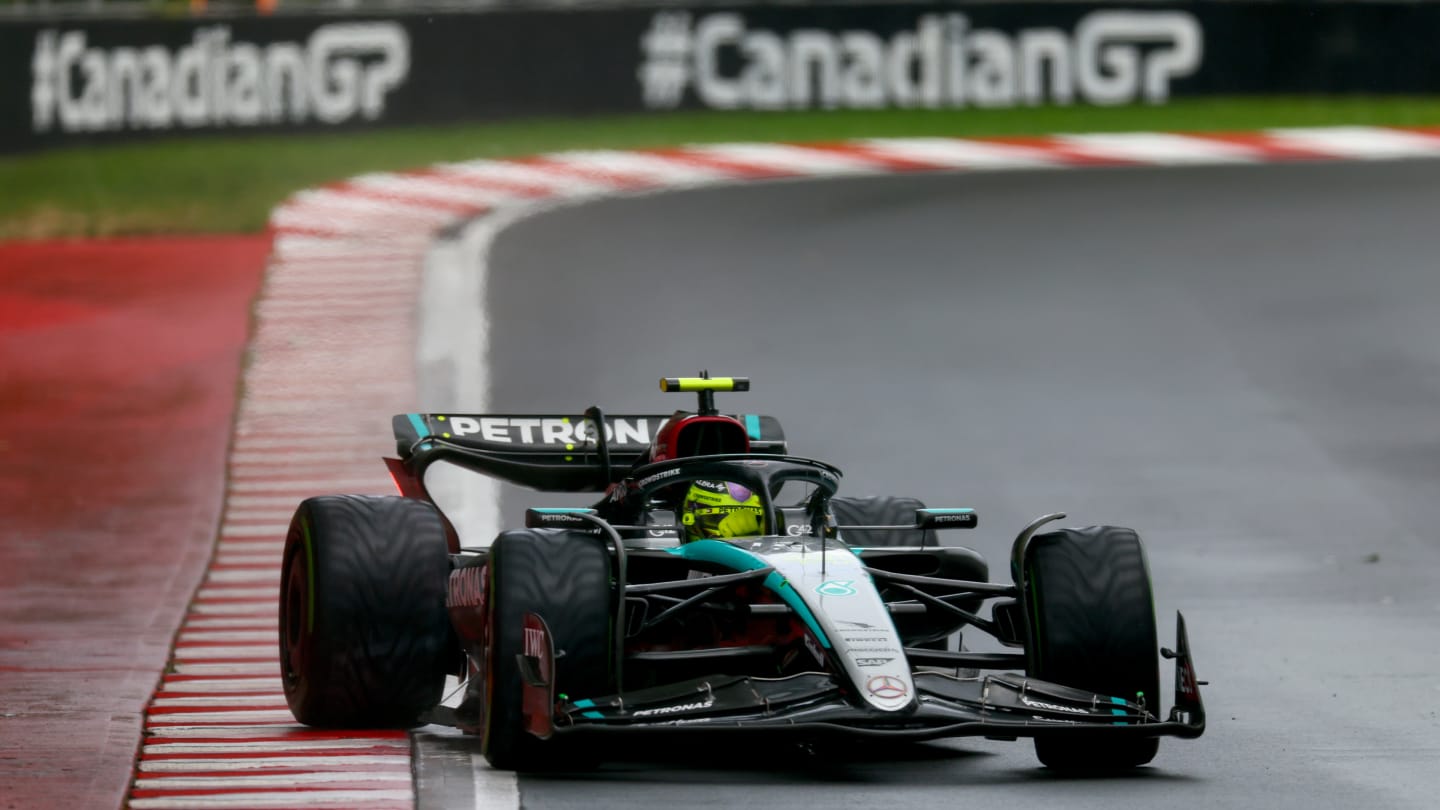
pixel 1121 712
pixel 588 704
pixel 422 430
pixel 752 425
pixel 562 510
pixel 964 511
pixel 722 553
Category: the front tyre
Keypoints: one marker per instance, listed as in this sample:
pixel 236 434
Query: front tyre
pixel 1091 620
pixel 364 637
pixel 563 577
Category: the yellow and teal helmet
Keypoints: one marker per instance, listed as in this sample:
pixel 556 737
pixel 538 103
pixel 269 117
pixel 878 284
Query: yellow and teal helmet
pixel 721 509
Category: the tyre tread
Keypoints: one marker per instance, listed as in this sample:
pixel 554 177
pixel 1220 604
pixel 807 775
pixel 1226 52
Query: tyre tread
pixel 382 638
pixel 1092 625
pixel 564 577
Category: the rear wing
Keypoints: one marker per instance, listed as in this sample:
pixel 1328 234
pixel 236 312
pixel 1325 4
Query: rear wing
pixel 548 453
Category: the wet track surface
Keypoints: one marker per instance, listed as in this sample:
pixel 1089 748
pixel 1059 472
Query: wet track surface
pixel 118 368
pixel 1241 363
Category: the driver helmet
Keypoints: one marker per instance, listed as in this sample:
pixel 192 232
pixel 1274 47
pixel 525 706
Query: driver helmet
pixel 721 509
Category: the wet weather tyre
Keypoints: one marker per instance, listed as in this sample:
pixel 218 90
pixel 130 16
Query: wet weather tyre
pixel 881 510
pixel 1091 620
pixel 365 640
pixel 563 577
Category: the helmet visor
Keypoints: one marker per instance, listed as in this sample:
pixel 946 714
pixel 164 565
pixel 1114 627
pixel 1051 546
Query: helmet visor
pixel 725 521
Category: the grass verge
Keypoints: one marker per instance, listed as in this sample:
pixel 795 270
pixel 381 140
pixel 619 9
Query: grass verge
pixel 229 184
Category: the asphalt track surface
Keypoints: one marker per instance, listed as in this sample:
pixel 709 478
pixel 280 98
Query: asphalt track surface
pixel 1242 363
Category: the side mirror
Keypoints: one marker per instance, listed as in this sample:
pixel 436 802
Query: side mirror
pixel 946 519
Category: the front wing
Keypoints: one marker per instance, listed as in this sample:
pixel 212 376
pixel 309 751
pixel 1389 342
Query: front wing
pixel 1004 705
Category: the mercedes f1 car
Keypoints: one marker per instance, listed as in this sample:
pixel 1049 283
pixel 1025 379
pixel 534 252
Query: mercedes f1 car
pixel 843 617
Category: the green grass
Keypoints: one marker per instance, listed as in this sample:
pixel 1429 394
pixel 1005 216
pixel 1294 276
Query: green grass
pixel 229 184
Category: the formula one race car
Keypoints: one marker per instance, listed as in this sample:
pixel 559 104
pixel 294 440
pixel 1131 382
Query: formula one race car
pixel 833 616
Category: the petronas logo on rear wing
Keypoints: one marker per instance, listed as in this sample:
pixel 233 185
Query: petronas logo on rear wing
pixel 560 432
pixel 549 453
pixel 512 432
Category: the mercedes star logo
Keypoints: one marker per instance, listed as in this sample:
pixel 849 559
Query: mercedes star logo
pixel 887 687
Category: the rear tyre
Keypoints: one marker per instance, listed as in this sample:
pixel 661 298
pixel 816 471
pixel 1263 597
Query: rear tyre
pixel 891 510
pixel 563 577
pixel 1091 620
pixel 882 510
pixel 364 637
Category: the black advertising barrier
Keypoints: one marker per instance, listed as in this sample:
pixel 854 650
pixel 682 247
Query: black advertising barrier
pixel 84 81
